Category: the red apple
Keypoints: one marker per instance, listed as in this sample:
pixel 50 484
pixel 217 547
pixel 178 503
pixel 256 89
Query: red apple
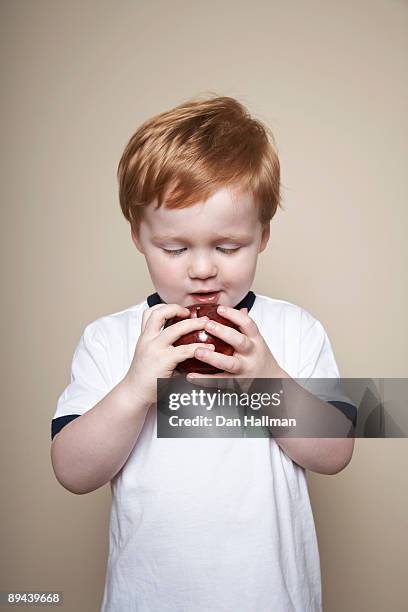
pixel 201 335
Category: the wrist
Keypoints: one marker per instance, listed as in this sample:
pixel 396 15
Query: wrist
pixel 133 394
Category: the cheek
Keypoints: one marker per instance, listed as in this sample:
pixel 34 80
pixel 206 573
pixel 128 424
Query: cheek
pixel 164 269
pixel 241 266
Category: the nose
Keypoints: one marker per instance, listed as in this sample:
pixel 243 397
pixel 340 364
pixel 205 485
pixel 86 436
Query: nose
pixel 202 266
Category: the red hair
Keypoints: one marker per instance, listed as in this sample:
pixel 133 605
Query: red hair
pixel 189 152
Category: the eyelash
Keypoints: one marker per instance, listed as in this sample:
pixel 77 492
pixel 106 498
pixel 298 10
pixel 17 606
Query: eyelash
pixel 176 252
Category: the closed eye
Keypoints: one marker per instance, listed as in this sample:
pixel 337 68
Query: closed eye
pixel 176 252
pixel 228 251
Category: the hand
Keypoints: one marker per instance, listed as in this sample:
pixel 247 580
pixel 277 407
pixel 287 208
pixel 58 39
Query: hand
pixel 155 356
pixel 251 359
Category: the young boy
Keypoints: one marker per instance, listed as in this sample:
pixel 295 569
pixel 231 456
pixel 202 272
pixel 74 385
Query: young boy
pixel 198 524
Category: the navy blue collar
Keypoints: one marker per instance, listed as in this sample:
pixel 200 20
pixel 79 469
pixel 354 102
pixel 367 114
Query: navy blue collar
pixel 246 302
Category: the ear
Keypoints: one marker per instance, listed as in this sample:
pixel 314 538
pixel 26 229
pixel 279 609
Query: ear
pixel 136 240
pixel 265 236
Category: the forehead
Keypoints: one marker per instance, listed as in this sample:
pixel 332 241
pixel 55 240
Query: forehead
pixel 225 211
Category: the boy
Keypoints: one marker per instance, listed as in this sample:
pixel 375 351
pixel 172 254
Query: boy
pixel 197 524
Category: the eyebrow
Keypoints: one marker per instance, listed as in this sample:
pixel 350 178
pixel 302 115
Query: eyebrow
pixel 238 237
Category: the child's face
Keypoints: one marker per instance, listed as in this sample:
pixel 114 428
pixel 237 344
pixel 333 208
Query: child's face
pixel 198 234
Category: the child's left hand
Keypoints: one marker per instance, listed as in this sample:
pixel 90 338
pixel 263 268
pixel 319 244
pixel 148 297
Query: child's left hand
pixel 252 357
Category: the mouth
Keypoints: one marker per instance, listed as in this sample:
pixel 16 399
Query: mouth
pixel 205 298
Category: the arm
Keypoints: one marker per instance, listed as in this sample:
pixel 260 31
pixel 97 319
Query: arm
pixel 89 451
pixel 253 356
pixel 321 455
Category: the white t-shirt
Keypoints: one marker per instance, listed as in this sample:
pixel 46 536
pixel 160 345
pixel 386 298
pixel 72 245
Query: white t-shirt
pixel 205 524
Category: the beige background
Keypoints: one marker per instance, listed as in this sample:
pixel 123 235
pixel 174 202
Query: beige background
pixel 78 77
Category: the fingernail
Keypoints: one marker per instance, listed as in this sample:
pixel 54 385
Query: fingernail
pixel 221 309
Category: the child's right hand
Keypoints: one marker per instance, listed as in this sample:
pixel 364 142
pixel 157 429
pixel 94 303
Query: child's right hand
pixel 155 357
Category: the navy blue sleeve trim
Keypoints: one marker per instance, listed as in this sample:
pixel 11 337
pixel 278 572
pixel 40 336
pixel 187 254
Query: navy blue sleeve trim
pixel 60 422
pixel 348 410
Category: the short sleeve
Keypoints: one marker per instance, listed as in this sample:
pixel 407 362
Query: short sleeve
pixel 317 361
pixel 90 379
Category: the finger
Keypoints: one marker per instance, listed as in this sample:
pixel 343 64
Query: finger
pixel 224 380
pixel 187 351
pixel 242 320
pixel 159 316
pixel 236 339
pixel 228 363
pixel 174 332
pixel 206 382
pixel 147 313
pixel 218 381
